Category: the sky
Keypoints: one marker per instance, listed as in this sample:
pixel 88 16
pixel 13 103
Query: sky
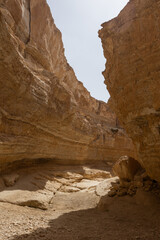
pixel 79 22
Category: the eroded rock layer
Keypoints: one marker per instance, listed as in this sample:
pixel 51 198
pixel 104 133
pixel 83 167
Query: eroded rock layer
pixel 131 45
pixel 45 112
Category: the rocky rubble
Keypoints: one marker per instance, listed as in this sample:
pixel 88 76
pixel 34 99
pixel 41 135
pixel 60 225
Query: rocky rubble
pixel 131 46
pixel 130 188
pixel 131 179
pixel 10 180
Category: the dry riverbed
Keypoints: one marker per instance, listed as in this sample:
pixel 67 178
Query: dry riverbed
pixel 70 202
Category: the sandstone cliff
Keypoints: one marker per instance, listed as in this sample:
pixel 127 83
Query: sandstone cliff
pixel 45 112
pixel 131 45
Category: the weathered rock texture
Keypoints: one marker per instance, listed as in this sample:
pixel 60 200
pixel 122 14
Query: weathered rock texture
pixel 48 186
pixel 45 112
pixel 131 45
pixel 126 168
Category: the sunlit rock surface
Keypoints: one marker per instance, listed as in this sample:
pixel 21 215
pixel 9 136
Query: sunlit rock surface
pixel 131 45
pixel 45 112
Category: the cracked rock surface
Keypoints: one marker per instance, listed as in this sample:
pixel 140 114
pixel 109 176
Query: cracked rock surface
pixel 48 186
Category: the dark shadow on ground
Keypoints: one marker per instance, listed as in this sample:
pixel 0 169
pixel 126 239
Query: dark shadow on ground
pixel 132 222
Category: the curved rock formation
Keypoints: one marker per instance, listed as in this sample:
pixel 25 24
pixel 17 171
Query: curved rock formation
pixel 131 45
pixel 45 112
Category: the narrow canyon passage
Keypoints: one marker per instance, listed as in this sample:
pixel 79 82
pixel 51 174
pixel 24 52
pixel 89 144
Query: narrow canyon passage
pixel 71 166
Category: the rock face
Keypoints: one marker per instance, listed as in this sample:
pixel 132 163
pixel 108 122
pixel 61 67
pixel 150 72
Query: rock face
pixel 131 46
pixel 48 186
pixel 126 168
pixel 45 112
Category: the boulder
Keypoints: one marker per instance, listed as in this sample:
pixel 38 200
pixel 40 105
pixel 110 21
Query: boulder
pixel 10 179
pixel 126 168
pixel 104 187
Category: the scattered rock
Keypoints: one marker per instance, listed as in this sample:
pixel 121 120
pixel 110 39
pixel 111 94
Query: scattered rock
pixel 131 190
pixel 148 185
pixel 10 180
pixel 68 175
pixel 104 187
pixel 95 173
pixel 112 193
pixel 125 184
pixel 86 184
pixel 130 187
pixel 69 189
pixel 34 204
pixel 138 184
pixel 121 192
pixel 26 198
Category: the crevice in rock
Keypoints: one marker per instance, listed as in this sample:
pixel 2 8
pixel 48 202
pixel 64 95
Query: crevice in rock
pixel 29 10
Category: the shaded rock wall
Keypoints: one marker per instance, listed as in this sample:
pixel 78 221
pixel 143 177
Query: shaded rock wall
pixel 131 45
pixel 45 112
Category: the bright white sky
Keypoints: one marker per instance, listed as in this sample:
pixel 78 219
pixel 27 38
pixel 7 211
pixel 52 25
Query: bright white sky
pixel 79 22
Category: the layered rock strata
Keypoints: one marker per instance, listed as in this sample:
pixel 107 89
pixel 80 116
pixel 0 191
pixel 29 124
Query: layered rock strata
pixel 45 112
pixel 131 44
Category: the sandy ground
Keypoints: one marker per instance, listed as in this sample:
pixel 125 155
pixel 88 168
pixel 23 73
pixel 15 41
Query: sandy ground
pixel 33 224
pixel 80 215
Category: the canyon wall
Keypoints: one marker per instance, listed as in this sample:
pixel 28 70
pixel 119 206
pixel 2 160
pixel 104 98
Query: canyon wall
pixel 45 112
pixel 131 44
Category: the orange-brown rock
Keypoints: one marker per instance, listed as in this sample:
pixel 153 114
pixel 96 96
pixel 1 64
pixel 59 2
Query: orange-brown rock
pixel 131 45
pixel 126 168
pixel 45 112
